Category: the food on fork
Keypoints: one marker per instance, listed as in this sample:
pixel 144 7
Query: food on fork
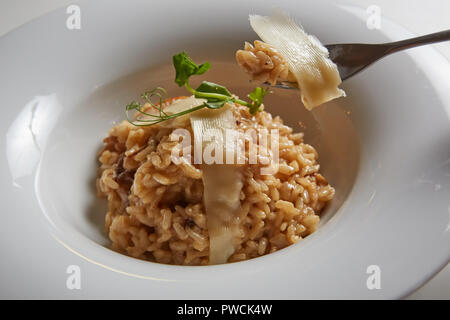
pixel 289 54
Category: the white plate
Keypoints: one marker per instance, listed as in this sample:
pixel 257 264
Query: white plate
pixel 386 149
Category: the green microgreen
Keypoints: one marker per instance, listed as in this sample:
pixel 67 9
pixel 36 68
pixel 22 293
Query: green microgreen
pixel 215 95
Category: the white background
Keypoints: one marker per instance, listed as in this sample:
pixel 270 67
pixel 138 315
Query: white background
pixel 418 16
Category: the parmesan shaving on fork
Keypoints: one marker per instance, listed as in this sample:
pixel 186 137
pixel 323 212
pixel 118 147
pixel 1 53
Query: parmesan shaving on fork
pixel 317 76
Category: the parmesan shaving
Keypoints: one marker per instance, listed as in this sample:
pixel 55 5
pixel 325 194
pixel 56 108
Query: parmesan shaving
pixel 222 183
pixel 181 105
pixel 184 104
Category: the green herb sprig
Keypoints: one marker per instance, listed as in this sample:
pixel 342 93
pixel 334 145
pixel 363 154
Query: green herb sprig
pixel 215 95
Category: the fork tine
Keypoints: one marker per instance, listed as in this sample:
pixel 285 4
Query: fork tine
pixel 284 85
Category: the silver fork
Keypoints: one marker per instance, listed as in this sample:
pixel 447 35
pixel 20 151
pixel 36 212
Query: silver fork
pixel 352 58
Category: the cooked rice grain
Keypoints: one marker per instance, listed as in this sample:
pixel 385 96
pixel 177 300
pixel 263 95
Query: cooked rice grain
pixel 264 63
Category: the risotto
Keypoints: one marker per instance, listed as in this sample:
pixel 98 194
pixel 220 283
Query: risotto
pixel 264 63
pixel 252 187
pixel 156 208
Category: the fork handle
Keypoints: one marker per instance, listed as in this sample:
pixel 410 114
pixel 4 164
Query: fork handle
pixel 419 41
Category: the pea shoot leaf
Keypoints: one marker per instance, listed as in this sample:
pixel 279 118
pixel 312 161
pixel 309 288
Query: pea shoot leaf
pixel 211 87
pixel 257 96
pixel 185 68
pixel 215 104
